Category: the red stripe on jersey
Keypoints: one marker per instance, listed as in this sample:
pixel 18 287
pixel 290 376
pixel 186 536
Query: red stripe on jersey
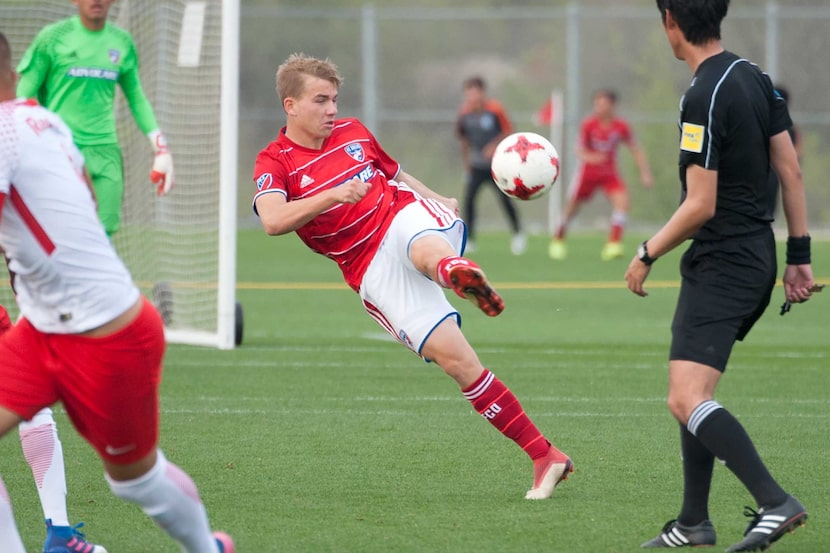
pixel 31 222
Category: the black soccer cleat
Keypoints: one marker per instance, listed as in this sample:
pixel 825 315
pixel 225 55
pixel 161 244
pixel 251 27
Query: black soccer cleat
pixel 675 534
pixel 770 525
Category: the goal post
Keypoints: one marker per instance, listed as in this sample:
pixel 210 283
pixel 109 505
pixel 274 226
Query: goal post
pixel 180 248
pixel 553 115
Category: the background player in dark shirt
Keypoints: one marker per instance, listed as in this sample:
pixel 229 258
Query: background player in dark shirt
pixel 733 127
pixel 482 123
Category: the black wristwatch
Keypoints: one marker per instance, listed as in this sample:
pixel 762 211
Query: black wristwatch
pixel 642 254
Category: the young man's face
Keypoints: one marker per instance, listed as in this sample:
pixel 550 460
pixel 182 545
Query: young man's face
pixel 93 10
pixel 312 114
pixel 603 106
pixel 473 95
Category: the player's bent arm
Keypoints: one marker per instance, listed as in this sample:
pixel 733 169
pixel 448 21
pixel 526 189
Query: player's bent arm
pixel 279 216
pixel 642 164
pixel 697 208
pixel 33 68
pixel 465 153
pixel 784 161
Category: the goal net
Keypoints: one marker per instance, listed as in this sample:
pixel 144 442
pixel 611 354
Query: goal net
pixel 180 248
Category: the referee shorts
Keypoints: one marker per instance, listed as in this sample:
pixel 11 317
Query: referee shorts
pixel 725 287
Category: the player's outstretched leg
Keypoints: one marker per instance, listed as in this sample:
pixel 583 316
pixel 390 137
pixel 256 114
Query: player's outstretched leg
pixel 496 403
pixel 169 497
pixel 770 525
pixel 468 281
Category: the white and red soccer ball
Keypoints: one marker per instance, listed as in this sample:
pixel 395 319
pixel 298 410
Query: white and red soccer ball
pixel 525 165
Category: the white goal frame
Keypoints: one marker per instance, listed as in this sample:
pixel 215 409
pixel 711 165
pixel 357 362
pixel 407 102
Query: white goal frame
pixel 226 324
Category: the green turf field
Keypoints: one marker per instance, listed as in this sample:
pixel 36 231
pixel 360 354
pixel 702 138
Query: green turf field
pixel 320 434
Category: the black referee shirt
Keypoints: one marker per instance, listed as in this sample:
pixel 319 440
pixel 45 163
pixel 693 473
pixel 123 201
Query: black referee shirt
pixel 727 117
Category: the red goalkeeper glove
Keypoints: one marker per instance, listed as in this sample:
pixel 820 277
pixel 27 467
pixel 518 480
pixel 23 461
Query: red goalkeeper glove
pixel 162 173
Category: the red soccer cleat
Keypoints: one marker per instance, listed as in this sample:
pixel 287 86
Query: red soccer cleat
pixel 468 281
pixel 549 471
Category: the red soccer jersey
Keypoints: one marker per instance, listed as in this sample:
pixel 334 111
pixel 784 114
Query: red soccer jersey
pixel 350 234
pixel 596 136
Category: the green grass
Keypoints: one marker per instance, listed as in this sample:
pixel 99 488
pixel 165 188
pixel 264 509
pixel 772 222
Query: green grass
pixel 320 434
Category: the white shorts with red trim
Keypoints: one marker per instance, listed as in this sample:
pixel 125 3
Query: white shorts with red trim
pixel 404 301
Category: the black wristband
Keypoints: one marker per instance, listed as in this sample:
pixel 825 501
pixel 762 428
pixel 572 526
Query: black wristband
pixel 798 250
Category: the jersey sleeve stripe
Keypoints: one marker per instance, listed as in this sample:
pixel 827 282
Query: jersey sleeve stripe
pixel 31 222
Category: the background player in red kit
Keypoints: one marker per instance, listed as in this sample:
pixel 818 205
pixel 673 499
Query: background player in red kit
pixel 600 137
pixel 87 337
pixel 396 242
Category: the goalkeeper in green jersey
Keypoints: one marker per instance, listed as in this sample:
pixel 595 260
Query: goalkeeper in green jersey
pixel 72 68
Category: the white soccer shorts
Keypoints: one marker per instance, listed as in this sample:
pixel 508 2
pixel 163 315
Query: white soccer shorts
pixel 404 301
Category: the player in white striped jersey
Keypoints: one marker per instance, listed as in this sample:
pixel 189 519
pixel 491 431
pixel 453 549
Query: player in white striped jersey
pixel 86 337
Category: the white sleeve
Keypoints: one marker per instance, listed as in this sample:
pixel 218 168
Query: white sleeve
pixel 9 154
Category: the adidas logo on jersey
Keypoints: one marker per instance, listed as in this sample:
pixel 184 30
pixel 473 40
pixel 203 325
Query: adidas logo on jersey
pixel 306 181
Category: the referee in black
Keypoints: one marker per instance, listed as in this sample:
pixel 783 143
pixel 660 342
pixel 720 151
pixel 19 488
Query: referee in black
pixel 733 127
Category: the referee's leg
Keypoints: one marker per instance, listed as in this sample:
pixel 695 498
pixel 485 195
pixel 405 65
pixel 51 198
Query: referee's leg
pixel 691 392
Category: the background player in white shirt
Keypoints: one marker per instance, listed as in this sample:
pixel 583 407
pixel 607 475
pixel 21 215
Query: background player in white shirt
pixel 86 337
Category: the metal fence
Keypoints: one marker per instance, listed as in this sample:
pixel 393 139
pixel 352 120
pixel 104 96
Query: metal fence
pixel 404 67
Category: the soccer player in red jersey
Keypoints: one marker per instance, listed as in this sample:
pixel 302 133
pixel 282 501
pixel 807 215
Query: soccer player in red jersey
pixel 87 337
pixel 397 242
pixel 600 137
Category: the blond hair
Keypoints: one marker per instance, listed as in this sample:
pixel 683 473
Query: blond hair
pixel 291 74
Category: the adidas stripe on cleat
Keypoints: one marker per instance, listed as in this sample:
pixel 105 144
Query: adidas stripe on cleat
pixel 770 525
pixel 675 534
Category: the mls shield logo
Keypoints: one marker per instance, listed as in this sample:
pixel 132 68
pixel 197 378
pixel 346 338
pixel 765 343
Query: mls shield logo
pixel 355 151
pixel 264 181
pixel 115 55
pixel 404 337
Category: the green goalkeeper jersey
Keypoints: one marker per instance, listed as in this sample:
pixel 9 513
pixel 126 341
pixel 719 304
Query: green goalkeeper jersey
pixel 73 71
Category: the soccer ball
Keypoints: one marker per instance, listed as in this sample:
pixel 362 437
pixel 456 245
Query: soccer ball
pixel 525 165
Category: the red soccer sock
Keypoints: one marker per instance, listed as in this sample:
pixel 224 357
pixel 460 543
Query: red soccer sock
pixel 616 233
pixel 496 403
pixel 618 220
pixel 447 263
pixel 560 232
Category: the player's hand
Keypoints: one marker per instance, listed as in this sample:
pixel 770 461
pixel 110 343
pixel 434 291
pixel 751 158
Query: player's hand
pixel 451 204
pixel 647 179
pixel 636 275
pixel 162 172
pixel 351 191
pixel 798 283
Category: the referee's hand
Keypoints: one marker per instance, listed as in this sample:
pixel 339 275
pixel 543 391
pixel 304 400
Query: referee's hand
pixel 636 275
pixel 798 283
